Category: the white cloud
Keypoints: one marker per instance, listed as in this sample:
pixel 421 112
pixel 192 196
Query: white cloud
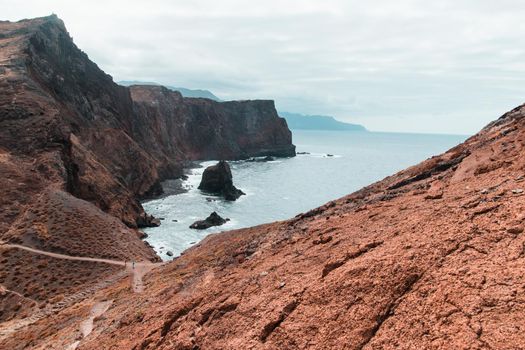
pixel 405 65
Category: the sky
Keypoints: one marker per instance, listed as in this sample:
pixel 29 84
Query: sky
pixel 448 66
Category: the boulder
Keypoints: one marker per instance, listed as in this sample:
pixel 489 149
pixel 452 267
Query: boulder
pixel 213 220
pixel 217 179
pixel 147 221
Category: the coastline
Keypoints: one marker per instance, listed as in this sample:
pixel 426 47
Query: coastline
pixel 322 155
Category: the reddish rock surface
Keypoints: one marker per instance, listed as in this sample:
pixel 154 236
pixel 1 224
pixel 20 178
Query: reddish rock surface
pixel 430 258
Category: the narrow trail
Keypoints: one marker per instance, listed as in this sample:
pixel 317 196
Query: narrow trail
pixel 137 270
pixel 10 327
pixel 86 326
pixel 3 289
pixel 62 256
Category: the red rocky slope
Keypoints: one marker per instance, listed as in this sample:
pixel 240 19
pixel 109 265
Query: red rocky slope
pixel 430 258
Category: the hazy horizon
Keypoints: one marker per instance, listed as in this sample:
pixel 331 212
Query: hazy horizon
pixel 408 66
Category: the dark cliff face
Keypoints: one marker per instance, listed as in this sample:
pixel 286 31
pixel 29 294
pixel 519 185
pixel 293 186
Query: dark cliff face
pixel 198 128
pixel 65 125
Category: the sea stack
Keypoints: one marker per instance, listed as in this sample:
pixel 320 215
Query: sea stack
pixel 217 179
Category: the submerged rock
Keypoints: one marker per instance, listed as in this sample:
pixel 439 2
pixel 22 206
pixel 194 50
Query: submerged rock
pixel 217 179
pixel 213 220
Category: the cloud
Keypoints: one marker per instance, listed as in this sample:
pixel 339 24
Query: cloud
pixel 408 65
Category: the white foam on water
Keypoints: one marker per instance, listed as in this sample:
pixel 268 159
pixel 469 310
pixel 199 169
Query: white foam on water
pixel 283 188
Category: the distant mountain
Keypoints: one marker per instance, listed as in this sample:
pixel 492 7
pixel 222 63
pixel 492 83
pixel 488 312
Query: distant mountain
pixel 317 122
pixel 184 92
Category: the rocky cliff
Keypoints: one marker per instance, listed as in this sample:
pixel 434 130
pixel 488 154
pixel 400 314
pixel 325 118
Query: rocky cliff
pixel 68 132
pixel 78 152
pixel 429 258
pixel 199 128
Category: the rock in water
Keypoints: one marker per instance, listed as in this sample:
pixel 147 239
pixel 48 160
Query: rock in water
pixel 213 220
pixel 217 179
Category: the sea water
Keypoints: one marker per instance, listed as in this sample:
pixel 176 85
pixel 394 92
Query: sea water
pixel 337 163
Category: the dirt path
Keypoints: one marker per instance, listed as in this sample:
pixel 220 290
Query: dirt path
pixel 61 256
pixel 10 327
pixel 3 289
pixel 136 270
pixel 86 327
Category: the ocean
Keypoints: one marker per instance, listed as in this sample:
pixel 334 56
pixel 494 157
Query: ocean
pixel 338 163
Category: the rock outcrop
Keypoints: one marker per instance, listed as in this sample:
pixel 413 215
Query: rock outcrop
pixel 213 220
pixel 217 179
pixel 201 129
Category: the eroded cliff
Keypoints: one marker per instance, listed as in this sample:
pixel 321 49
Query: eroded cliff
pixel 78 152
pixel 199 128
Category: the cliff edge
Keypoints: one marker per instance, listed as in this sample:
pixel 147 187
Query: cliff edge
pixel 78 153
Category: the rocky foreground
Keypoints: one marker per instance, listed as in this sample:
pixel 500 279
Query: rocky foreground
pixel 430 258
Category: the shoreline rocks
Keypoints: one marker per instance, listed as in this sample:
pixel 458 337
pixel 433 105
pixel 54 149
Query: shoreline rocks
pixel 148 221
pixel 217 179
pixel 261 160
pixel 213 220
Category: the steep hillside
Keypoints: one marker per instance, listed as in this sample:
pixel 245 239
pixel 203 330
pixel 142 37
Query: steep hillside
pixel 429 258
pixel 57 109
pixel 78 152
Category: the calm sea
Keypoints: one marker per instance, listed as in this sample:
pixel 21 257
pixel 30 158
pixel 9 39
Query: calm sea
pixel 280 189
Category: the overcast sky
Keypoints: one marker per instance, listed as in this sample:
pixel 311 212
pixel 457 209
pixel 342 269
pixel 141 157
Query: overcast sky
pixel 447 66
